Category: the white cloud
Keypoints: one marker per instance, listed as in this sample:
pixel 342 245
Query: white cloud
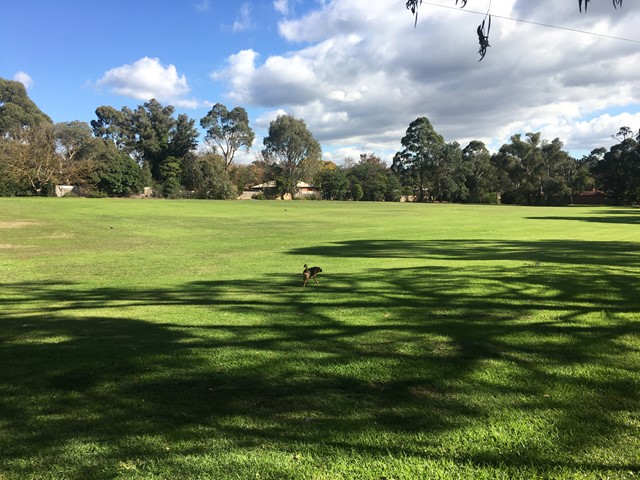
pixel 281 6
pixel 239 74
pixel 359 72
pixel 203 6
pixel 264 120
pixel 244 20
pixel 148 78
pixel 23 78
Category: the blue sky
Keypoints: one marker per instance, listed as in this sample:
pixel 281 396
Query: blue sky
pixel 357 71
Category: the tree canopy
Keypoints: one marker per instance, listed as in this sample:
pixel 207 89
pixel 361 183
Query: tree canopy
pixel 17 110
pixel 228 131
pixel 126 150
pixel 150 133
pixel 289 144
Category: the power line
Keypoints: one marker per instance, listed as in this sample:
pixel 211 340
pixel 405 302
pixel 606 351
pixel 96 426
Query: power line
pixel 574 30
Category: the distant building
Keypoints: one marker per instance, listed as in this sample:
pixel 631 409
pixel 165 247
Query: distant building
pixel 305 191
pixel 590 197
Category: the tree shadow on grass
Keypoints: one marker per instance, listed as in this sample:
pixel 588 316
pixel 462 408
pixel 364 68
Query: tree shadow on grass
pixel 615 254
pixel 626 216
pixel 389 362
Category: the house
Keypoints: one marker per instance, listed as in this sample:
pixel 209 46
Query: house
pixel 305 191
pixel 590 197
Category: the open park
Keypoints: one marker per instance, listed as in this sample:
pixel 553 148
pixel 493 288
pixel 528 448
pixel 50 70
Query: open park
pixel 155 339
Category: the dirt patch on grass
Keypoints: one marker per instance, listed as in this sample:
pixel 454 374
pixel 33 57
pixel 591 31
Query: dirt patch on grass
pixel 16 224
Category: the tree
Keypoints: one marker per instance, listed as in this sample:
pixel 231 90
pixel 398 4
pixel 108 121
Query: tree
pixel 618 172
pixel 114 173
pixel 75 144
pixel 244 176
pixel 480 173
pixel 534 171
pixel 114 126
pixel 584 179
pixel 17 110
pixel 72 138
pixel 149 133
pixel 422 164
pixel 559 172
pixel 289 144
pixel 31 157
pixel 333 183
pixel 521 166
pixel 228 131
pixel 377 182
pixel 206 177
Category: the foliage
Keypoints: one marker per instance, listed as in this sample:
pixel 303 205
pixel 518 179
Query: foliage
pixel 228 131
pixel 150 133
pixel 428 165
pixel 356 191
pixel 618 172
pixel 29 156
pixel 289 144
pixel 206 176
pixel 114 173
pixel 377 182
pixel 170 171
pixel 35 155
pixel 245 176
pixel 534 171
pixel 480 182
pixel 17 111
pixel 333 184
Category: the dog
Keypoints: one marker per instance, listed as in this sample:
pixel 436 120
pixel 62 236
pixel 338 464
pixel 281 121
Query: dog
pixel 308 273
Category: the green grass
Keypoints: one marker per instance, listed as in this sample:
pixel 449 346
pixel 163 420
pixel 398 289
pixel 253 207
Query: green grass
pixel 160 339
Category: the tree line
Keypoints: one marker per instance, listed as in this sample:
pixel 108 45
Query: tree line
pixel 121 152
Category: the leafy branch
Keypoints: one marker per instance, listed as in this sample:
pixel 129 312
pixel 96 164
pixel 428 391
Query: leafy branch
pixel 485 27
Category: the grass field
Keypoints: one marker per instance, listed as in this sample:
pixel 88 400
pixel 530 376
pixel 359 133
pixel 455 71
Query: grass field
pixel 172 340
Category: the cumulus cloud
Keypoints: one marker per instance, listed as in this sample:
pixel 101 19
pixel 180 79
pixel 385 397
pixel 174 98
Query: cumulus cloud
pixel 359 72
pixel 239 74
pixel 147 78
pixel 23 78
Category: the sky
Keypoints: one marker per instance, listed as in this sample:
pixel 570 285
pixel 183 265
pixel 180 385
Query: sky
pixel 358 72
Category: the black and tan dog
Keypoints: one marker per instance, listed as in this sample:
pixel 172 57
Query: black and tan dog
pixel 308 273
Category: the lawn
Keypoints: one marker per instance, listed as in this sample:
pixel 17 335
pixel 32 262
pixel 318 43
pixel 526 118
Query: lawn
pixel 150 339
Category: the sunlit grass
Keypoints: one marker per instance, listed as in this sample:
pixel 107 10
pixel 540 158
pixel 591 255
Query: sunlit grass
pixel 160 339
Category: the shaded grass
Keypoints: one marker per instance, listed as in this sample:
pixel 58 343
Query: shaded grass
pixel 442 341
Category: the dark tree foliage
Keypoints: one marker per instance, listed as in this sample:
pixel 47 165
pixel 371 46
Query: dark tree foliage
pixel 534 171
pixel 17 110
pixel 115 173
pixel 378 183
pixel 420 165
pixel 150 133
pixel 485 27
pixel 480 173
pixel 206 176
pixel 333 184
pixel 617 173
